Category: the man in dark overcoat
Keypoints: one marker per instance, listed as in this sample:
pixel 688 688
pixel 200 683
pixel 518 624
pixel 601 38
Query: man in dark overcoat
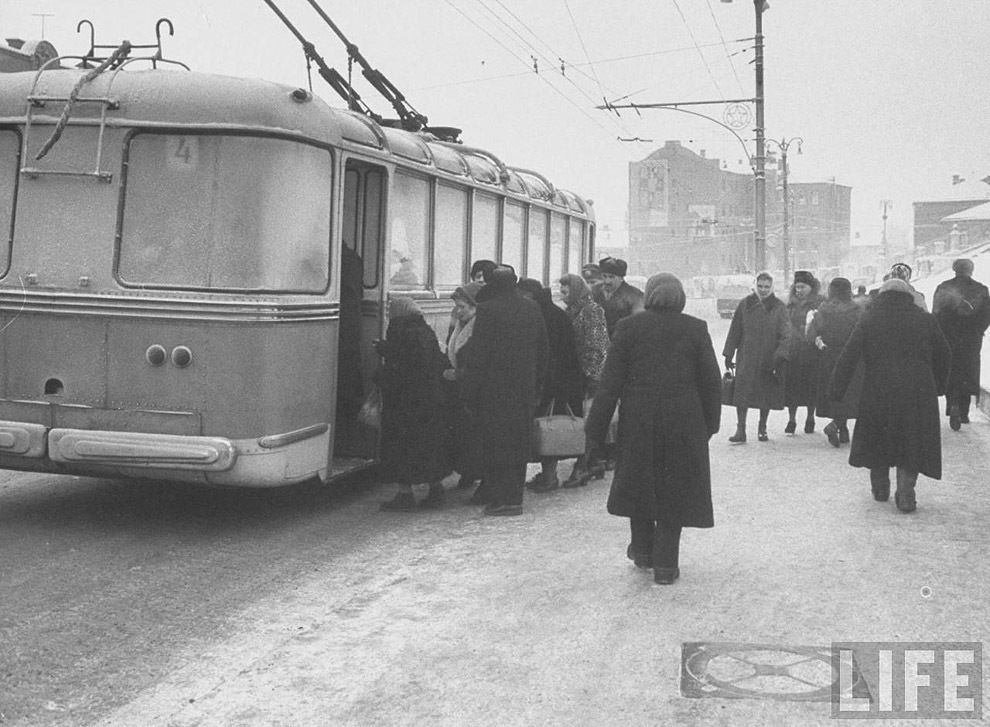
pixel 962 308
pixel 617 297
pixel 801 375
pixel 759 337
pixel 907 366
pixel 502 384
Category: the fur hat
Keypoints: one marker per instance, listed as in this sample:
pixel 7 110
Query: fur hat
pixel 613 266
pixel 840 289
pixel 804 276
pixel 591 271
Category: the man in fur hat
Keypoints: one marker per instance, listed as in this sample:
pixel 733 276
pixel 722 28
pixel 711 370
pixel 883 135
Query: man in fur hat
pixel 614 294
pixel 962 308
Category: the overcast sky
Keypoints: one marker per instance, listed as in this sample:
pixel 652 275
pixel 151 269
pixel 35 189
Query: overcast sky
pixel 889 96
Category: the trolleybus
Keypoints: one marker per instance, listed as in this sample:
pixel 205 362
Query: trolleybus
pixel 170 282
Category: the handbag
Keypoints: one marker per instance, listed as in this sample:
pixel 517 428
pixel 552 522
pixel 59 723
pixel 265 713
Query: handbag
pixel 728 388
pixel 558 435
pixel 370 413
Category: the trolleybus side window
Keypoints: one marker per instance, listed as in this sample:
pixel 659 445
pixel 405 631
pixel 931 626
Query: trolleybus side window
pixel 9 151
pixel 575 247
pixel 362 216
pixel 558 241
pixel 512 239
pixel 484 227
pixel 537 244
pixel 410 227
pixel 225 212
pixel 451 235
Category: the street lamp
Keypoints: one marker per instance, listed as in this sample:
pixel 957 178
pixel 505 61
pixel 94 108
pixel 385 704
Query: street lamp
pixel 760 235
pixel 784 145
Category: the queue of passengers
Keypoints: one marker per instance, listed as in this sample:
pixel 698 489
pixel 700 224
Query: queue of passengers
pixel 512 354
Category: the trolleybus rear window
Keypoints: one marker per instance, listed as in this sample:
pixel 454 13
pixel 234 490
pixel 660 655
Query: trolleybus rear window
pixel 225 212
pixel 9 146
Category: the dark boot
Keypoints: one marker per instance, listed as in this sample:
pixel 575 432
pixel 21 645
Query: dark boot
pixel 904 496
pixel 832 432
pixel 640 550
pixel 809 423
pixel 880 483
pixel 666 551
pixel 435 499
pixel 954 419
pixel 843 433
pixel 739 437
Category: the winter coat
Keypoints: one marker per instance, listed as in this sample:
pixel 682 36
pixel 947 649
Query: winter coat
pixel 662 366
pixel 907 365
pixel 564 383
pixel 504 374
pixel 834 321
pixel 463 440
pixel 962 308
pixel 590 339
pixel 412 402
pixel 801 370
pixel 625 301
pixel 760 332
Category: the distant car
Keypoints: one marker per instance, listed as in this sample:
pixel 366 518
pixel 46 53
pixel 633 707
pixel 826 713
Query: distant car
pixel 728 298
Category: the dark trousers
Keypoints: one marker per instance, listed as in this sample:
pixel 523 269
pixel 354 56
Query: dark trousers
pixel 505 483
pixel 663 541
pixel 961 400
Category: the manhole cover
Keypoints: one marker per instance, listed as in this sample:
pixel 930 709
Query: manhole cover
pixel 762 671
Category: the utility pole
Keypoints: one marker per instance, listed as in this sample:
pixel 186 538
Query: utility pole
pixel 760 235
pixel 885 204
pixel 43 16
pixel 784 145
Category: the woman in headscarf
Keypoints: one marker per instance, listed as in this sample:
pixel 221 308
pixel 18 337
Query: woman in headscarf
pixel 412 406
pixel 662 366
pixel 563 389
pixel 591 341
pixel 801 369
pixel 907 367
pixel 463 442
pixel 830 328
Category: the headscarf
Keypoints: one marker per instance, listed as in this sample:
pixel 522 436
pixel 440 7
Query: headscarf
pixel 664 291
pixel 577 289
pixel 485 267
pixel 468 292
pixel 402 307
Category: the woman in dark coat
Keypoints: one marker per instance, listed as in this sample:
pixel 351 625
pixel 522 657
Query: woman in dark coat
pixel 801 370
pixel 463 445
pixel 563 387
pixel 412 406
pixel 830 328
pixel 662 366
pixel 907 365
pixel 759 333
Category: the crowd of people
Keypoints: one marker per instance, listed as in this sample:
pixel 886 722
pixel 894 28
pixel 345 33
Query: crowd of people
pixel 645 377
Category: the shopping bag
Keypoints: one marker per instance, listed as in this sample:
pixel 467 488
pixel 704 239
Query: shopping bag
pixel 558 435
pixel 728 388
pixel 371 410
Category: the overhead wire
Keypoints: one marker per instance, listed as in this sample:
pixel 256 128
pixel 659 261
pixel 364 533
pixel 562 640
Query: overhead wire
pixel 512 53
pixel 728 55
pixel 584 47
pixel 694 40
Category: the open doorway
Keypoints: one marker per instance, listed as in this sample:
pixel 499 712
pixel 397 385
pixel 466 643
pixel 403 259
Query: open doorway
pixel 360 310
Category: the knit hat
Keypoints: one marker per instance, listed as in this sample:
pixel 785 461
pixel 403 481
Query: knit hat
pixel 613 266
pixel 468 292
pixel 897 285
pixel 901 270
pixel 804 276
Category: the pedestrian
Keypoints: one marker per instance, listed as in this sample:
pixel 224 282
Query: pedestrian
pixel 662 366
pixel 801 369
pixel 463 440
pixel 861 298
pixel 902 271
pixel 412 407
pixel 563 386
pixel 502 385
pixel 591 273
pixel 907 365
pixel 591 341
pixel 616 297
pixel 830 328
pixel 962 308
pixel 758 339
